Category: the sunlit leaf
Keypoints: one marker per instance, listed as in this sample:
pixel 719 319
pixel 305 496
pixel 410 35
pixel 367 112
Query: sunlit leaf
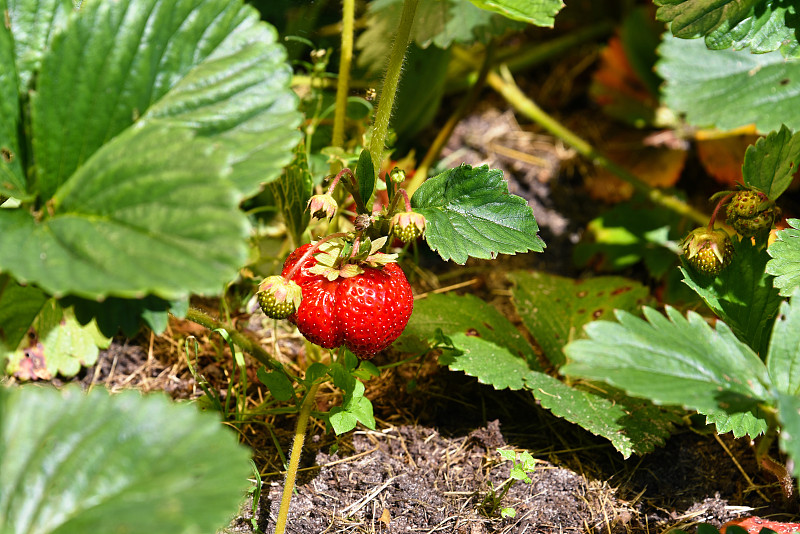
pixel 728 89
pixel 470 213
pixel 785 262
pixel 72 463
pixel 672 360
pixel 128 225
pixel 762 25
pixel 771 163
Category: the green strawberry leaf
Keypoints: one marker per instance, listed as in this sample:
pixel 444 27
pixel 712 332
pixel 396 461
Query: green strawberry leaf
pixel 138 218
pixel 742 295
pixel 489 363
pixel 32 25
pixel 210 65
pixel 762 25
pixel 783 359
pixel 470 213
pixel 487 346
pixel 554 309
pixel 673 360
pixel 71 463
pixel 60 345
pixel 292 191
pixel 537 12
pixel 771 163
pixel 789 417
pixel 12 178
pixel 750 423
pixel 19 306
pixel 469 315
pixel 758 88
pixel 365 174
pixel 278 384
pixel 355 408
pixel 632 425
pixel 785 262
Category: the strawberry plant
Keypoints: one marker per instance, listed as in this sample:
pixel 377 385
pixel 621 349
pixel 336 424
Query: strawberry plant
pixel 183 136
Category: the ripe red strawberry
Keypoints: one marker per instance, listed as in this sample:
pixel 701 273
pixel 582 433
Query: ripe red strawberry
pixel 365 312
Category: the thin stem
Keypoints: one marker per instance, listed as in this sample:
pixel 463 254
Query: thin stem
pixel 246 344
pixel 522 59
pixel 401 195
pixel 508 89
pixel 421 173
pixel 294 458
pixel 342 84
pixel 722 202
pixel 390 82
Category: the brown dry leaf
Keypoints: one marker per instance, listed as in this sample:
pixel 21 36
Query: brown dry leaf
pixel 618 89
pixel 655 159
pixel 721 154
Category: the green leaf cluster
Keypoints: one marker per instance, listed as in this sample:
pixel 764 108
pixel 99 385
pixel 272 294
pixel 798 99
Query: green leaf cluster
pixel 742 295
pixel 486 345
pixel 761 25
pixel 771 163
pixel 130 132
pixel 355 408
pixel 682 361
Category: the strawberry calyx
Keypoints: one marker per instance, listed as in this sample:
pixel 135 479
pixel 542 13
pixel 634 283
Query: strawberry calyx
pixel 341 258
pixel 279 297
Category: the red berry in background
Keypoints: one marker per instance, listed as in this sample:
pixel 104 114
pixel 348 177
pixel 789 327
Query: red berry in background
pixel 365 312
pixel 753 525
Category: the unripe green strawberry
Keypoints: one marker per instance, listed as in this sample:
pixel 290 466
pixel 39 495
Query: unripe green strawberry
pixel 708 251
pixel 745 203
pixel 751 213
pixel 279 298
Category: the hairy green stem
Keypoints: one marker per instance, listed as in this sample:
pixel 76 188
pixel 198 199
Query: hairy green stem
pixel 390 82
pixel 511 92
pixel 246 344
pixel 294 458
pixel 342 84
